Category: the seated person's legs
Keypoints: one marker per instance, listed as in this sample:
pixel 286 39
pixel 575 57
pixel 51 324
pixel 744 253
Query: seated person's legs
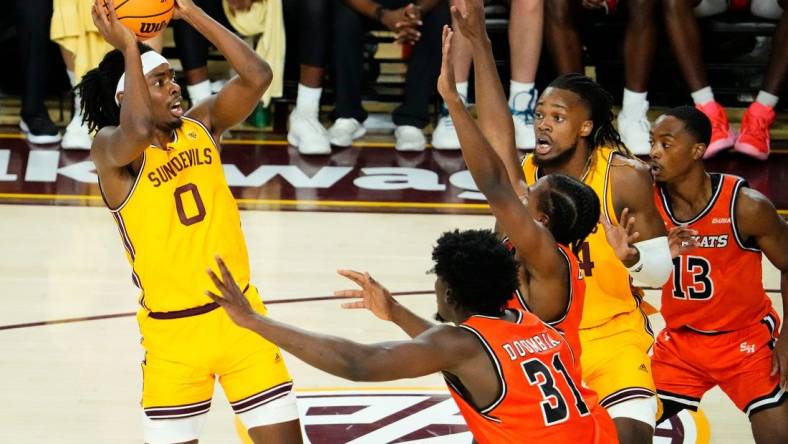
pixel 444 136
pixel 311 18
pixel 349 28
pixel 563 38
pixel 33 23
pixel 684 34
pixel 640 41
pixel 193 52
pixel 754 139
pixel 423 69
pixel 525 43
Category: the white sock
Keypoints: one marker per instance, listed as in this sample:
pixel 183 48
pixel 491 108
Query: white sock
pixel 71 78
pixel 199 91
pixel 308 100
pixel 634 103
pixel 462 88
pixel 703 96
pixel 77 104
pixel 518 101
pixel 766 99
pixel 77 111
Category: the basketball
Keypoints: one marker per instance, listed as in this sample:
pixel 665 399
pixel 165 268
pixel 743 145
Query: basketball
pixel 146 18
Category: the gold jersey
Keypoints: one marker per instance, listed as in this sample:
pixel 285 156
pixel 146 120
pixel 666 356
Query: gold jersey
pixel 608 285
pixel 179 214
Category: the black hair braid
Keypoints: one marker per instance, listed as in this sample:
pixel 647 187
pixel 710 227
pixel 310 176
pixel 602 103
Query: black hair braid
pixel 600 103
pixel 97 90
pixel 573 209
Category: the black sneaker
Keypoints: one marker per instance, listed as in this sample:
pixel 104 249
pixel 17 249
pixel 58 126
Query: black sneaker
pixel 40 130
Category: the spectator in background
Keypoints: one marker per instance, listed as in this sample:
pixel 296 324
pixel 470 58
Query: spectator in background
pixel 311 25
pixel 193 47
pixel 245 17
pixel 640 39
pixel 265 20
pixel 418 24
pixel 525 45
pixel 682 27
pixel 32 26
pixel 82 48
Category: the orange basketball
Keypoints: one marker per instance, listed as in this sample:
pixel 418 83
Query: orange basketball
pixel 146 18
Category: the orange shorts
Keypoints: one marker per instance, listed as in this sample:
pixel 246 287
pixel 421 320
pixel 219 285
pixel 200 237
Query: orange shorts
pixel 686 364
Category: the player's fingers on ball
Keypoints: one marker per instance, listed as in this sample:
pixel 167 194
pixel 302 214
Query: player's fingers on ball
pixel 110 8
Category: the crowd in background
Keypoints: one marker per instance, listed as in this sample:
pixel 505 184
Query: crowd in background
pixel 329 36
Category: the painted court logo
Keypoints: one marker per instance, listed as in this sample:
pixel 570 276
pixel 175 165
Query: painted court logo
pixel 420 416
pixel 373 417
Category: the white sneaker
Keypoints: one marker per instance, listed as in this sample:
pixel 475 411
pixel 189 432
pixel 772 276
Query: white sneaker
pixel 634 130
pixel 524 136
pixel 444 136
pixel 344 131
pixel 307 134
pixel 77 136
pixel 409 138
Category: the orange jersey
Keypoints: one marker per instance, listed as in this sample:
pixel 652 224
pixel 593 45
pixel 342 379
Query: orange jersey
pixel 542 398
pixel 568 324
pixel 609 292
pixel 716 286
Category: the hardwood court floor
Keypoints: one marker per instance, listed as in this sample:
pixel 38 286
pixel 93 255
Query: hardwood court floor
pixel 79 382
pixel 69 345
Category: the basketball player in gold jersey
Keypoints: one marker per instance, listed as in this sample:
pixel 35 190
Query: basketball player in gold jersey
pixel 575 136
pixel 161 177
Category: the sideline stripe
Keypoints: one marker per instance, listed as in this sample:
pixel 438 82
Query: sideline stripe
pixel 270 302
pixel 283 143
pixel 276 202
pixel 134 313
pixel 290 202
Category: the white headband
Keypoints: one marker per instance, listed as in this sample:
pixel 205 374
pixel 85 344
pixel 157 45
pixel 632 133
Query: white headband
pixel 150 61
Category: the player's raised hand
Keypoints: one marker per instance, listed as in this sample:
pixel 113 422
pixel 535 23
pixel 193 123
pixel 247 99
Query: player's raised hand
pixel 780 359
pixel 447 85
pixel 680 240
pixel 232 298
pixel 621 237
pixel 108 25
pixel 373 296
pixel 469 18
pixel 182 9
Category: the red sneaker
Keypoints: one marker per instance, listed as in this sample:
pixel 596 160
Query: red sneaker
pixel 721 135
pixel 753 139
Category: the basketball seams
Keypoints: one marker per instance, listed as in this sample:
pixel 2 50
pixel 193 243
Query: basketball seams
pixel 120 5
pixel 147 16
